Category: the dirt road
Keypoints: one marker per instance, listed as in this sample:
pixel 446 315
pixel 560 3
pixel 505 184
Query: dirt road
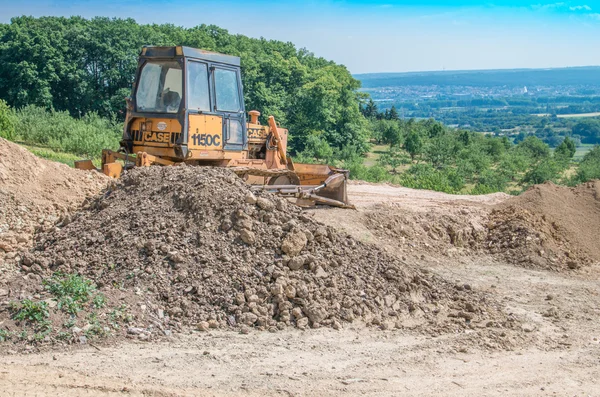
pixel 556 353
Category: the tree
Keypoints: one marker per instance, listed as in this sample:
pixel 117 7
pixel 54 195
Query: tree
pixel 436 129
pixel 534 147
pixel 393 115
pixel 370 111
pixel 546 170
pixel 566 149
pixel 441 150
pixel 390 132
pixel 588 130
pixel 520 137
pixel 413 144
pixel 317 148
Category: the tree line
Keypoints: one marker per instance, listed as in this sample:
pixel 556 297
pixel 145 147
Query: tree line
pixel 83 66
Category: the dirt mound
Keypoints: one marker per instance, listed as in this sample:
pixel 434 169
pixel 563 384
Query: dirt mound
pixel 455 230
pixel 549 226
pixel 201 249
pixel 35 193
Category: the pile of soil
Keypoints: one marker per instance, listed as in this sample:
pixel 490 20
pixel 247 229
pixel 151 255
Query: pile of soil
pixel 549 226
pixel 36 193
pixel 452 231
pixel 201 249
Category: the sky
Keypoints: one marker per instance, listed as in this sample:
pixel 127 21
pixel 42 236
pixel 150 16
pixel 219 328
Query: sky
pixel 380 35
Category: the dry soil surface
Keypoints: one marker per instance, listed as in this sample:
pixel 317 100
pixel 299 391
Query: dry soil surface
pixel 555 353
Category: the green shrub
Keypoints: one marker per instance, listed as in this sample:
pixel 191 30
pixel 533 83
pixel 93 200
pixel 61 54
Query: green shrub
pixel 424 176
pixel 72 292
pixel 589 168
pixel 377 173
pixel 33 312
pixel 546 170
pixel 59 131
pixel 5 335
pixel 491 181
pixel 7 125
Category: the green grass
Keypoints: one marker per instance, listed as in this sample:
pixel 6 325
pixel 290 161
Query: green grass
pixel 582 150
pixel 374 154
pixel 53 155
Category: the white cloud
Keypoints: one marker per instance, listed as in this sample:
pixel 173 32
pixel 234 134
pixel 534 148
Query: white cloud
pixel 552 6
pixel 581 8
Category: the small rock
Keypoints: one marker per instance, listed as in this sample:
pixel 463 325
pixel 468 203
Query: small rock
pixel 226 225
pixel 296 263
pixel 316 313
pixel 320 273
pixel 213 324
pixel 248 318
pixel 528 327
pixel 203 326
pixel 294 242
pixel 297 313
pixel 466 316
pixel 302 323
pixel 248 236
pixel 135 330
pixel 250 198
pixel 265 204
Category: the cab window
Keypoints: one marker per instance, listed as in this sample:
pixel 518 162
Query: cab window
pixel 198 95
pixel 227 90
pixel 160 87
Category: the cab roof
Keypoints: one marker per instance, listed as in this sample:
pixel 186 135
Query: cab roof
pixel 188 52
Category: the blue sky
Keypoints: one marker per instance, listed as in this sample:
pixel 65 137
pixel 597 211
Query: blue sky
pixel 380 35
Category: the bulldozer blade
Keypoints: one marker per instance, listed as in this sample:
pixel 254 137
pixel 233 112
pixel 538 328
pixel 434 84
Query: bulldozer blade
pixel 335 181
pixel 86 165
pixel 330 183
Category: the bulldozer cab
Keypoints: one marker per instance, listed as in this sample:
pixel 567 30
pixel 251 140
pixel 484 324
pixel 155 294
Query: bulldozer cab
pixel 186 102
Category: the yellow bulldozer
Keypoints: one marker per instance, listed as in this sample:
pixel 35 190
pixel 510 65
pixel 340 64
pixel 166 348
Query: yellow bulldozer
pixel 187 106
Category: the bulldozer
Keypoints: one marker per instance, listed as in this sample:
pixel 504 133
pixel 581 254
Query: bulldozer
pixel 187 106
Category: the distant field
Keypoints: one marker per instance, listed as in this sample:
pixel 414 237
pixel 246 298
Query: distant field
pixel 571 116
pixel 582 150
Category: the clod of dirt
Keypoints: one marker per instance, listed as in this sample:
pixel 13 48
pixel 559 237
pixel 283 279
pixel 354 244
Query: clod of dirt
pixel 200 248
pixel 36 193
pixel 549 226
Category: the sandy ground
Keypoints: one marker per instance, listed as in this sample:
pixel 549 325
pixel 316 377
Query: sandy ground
pixel 562 312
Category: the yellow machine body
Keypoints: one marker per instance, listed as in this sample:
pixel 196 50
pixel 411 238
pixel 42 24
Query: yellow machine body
pixel 187 106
